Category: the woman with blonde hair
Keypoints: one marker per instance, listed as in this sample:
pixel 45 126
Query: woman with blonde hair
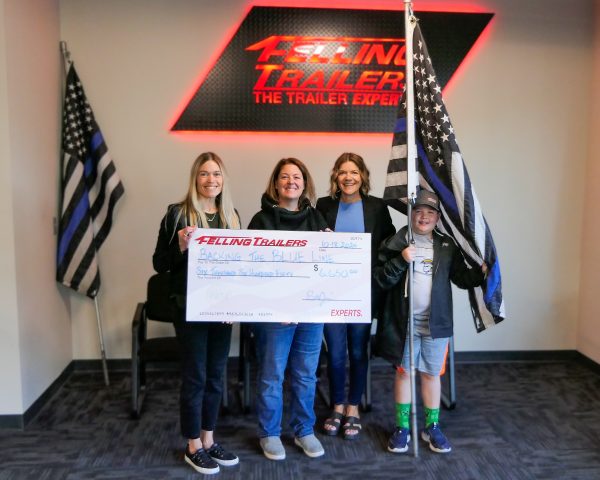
pixel 204 345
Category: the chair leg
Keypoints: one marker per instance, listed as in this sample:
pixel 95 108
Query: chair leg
pixel 366 399
pixel 138 386
pixel 225 396
pixel 135 387
pixel 322 367
pixel 449 399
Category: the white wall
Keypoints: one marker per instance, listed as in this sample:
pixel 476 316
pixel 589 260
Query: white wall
pixel 519 107
pixel 40 345
pixel 521 112
pixel 10 369
pixel 588 338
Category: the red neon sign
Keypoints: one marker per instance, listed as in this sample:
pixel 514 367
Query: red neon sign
pixel 289 69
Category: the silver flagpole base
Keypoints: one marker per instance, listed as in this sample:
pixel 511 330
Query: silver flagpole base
pixel 101 337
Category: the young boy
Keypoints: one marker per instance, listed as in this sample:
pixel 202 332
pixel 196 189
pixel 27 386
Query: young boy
pixel 437 262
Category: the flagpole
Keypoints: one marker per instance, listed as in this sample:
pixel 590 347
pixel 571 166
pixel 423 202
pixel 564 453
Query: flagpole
pixel 66 64
pixel 101 336
pixel 411 187
pixel 66 57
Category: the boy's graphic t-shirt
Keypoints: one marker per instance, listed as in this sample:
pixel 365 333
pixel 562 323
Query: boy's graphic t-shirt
pixel 423 263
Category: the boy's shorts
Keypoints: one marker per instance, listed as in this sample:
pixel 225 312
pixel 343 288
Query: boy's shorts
pixel 430 355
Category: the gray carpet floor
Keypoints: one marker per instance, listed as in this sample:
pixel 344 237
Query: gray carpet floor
pixel 512 421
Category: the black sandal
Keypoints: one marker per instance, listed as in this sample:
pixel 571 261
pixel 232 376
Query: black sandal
pixel 351 423
pixel 334 421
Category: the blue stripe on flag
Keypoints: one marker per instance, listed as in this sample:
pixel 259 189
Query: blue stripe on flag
pixel 67 235
pixel 96 140
pixel 492 281
pixel 89 166
pixel 400 125
pixel 445 194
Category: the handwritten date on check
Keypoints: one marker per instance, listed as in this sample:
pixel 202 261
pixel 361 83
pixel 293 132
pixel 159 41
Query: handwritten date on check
pixel 278 276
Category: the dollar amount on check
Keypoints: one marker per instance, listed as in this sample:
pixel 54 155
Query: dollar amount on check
pixel 277 276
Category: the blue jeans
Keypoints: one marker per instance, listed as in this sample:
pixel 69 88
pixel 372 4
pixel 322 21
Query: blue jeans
pixel 297 347
pixel 354 339
pixel 204 352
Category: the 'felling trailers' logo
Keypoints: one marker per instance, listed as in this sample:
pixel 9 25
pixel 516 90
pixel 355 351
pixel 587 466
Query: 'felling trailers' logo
pixel 346 71
pixel 321 70
pixel 224 240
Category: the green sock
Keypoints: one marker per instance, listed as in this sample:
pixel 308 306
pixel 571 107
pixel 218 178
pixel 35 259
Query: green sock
pixel 432 415
pixel 402 415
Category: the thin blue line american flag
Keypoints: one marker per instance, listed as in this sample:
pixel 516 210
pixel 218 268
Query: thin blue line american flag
pixel 440 168
pixel 90 191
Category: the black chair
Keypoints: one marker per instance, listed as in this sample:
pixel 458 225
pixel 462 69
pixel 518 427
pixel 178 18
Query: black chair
pixel 159 350
pixel 246 358
pixel 144 350
pixel 448 396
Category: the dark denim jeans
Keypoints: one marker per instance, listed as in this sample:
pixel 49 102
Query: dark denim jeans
pixel 296 346
pixel 205 348
pixel 347 341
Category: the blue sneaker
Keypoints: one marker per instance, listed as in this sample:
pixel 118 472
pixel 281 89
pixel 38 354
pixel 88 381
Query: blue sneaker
pixel 436 439
pixel 398 442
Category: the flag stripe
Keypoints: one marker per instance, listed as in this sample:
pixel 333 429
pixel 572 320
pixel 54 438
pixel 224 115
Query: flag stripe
pixel 78 219
pixel 90 190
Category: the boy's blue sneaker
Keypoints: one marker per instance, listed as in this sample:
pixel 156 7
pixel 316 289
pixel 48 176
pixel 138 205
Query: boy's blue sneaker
pixel 436 439
pixel 398 442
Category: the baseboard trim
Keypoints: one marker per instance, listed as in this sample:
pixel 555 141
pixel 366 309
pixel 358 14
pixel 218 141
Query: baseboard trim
pixel 124 365
pixel 114 365
pixel 21 421
pixel 522 356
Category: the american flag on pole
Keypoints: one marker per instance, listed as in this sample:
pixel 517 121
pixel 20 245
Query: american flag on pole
pixel 90 190
pixel 440 168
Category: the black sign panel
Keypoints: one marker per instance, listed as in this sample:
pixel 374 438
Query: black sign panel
pixel 321 70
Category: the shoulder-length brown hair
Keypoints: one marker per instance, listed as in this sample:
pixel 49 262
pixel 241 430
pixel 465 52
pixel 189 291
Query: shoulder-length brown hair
pixel 309 193
pixel 190 206
pixel 365 187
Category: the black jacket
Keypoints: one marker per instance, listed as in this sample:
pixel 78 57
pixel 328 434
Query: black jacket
pixel 272 217
pixel 377 222
pixel 167 257
pixel 391 273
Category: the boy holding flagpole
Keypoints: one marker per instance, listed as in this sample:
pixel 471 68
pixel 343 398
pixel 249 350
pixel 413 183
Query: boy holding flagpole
pixel 437 261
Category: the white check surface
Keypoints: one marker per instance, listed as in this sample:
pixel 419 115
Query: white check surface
pixel 279 276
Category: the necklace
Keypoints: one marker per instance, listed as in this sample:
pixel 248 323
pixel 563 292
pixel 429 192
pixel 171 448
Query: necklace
pixel 210 219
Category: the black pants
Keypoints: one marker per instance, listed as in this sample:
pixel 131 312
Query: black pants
pixel 205 348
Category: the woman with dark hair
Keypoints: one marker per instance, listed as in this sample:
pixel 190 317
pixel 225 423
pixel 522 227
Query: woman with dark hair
pixel 204 345
pixel 350 208
pixel 287 205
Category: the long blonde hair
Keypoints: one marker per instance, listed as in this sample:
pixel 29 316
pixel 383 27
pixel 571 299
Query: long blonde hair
pixel 190 206
pixel 309 193
pixel 357 160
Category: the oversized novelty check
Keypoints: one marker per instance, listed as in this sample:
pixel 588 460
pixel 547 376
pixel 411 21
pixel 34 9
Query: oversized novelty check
pixel 277 276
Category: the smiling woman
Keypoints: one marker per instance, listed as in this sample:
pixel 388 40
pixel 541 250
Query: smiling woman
pixel 350 208
pixel 204 345
pixel 287 204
